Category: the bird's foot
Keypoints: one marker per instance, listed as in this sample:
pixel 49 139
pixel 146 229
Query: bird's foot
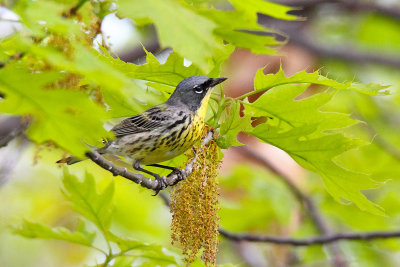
pixel 179 174
pixel 161 184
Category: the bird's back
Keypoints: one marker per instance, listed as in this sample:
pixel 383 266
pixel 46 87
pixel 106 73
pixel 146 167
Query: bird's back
pixel 158 134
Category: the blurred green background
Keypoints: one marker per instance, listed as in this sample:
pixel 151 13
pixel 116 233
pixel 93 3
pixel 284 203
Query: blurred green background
pixel 347 40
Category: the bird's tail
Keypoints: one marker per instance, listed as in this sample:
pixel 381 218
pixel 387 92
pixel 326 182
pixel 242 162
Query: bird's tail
pixel 69 160
pixel 72 160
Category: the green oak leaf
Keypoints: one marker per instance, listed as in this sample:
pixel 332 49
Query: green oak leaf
pixel 83 195
pixel 170 73
pixel 44 16
pixel 311 137
pixel 119 90
pixel 63 116
pixel 231 124
pixel 36 230
pixel 186 32
pixel 252 7
pixel 149 253
pixel 235 26
pixel 264 82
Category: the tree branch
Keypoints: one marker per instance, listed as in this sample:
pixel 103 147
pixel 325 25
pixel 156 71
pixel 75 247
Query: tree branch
pixel 317 240
pixel 11 128
pixel 322 239
pixel 346 53
pixel 139 178
pixel 300 37
pixel 392 11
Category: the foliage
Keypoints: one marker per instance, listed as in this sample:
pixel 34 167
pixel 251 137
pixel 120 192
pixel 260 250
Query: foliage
pixel 53 77
pixel 308 135
pixel 37 230
pixel 204 28
pixel 97 208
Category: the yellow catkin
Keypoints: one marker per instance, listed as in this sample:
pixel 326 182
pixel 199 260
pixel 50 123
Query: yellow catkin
pixel 194 208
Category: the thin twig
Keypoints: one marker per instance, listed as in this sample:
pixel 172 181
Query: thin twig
pixel 317 240
pixel 139 178
pixel 377 138
pixel 385 145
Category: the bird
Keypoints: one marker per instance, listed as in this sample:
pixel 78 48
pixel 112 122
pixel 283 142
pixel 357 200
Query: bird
pixel 164 131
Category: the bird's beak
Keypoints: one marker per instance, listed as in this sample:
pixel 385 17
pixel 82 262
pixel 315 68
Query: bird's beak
pixel 216 81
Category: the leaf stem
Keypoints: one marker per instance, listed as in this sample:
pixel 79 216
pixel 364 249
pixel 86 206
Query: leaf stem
pixel 72 11
pixel 261 90
pixel 109 257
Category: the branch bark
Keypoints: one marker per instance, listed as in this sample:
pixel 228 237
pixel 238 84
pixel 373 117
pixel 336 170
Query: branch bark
pixel 390 11
pixel 346 53
pixel 139 178
pixel 299 36
pixel 317 240
pixel 12 127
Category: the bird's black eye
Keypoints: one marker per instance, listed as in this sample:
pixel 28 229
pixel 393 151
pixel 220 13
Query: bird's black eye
pixel 198 89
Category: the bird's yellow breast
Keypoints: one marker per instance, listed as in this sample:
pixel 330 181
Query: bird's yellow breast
pixel 203 108
pixel 169 144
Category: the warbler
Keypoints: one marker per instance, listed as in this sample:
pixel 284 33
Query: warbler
pixel 163 131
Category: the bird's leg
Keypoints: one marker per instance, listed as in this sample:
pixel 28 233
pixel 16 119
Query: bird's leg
pixel 161 182
pixel 175 170
pixel 163 166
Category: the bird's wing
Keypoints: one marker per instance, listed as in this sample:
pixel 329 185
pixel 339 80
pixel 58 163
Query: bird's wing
pixel 153 118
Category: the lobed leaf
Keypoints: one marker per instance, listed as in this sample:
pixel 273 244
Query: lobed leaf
pixel 311 137
pixel 186 32
pixel 62 116
pixel 231 124
pixel 119 90
pixel 235 26
pixel 264 82
pixel 96 207
pixel 147 253
pixel 170 73
pixel 43 17
pixel 37 230
pixel 252 7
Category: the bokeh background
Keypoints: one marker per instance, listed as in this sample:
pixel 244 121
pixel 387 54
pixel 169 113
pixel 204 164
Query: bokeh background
pixel 346 40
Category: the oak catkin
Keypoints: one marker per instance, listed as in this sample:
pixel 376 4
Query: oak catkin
pixel 194 208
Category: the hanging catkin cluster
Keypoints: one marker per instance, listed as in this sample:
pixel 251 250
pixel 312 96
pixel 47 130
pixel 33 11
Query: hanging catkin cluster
pixel 194 208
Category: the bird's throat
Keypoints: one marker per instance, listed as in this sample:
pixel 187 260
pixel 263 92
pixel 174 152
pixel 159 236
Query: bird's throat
pixel 203 107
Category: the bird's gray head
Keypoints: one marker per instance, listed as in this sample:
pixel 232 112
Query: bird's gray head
pixel 192 90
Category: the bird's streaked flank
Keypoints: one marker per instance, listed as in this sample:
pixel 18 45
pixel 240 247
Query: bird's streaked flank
pixel 164 131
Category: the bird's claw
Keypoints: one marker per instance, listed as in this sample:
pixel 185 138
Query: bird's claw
pixel 161 184
pixel 178 173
